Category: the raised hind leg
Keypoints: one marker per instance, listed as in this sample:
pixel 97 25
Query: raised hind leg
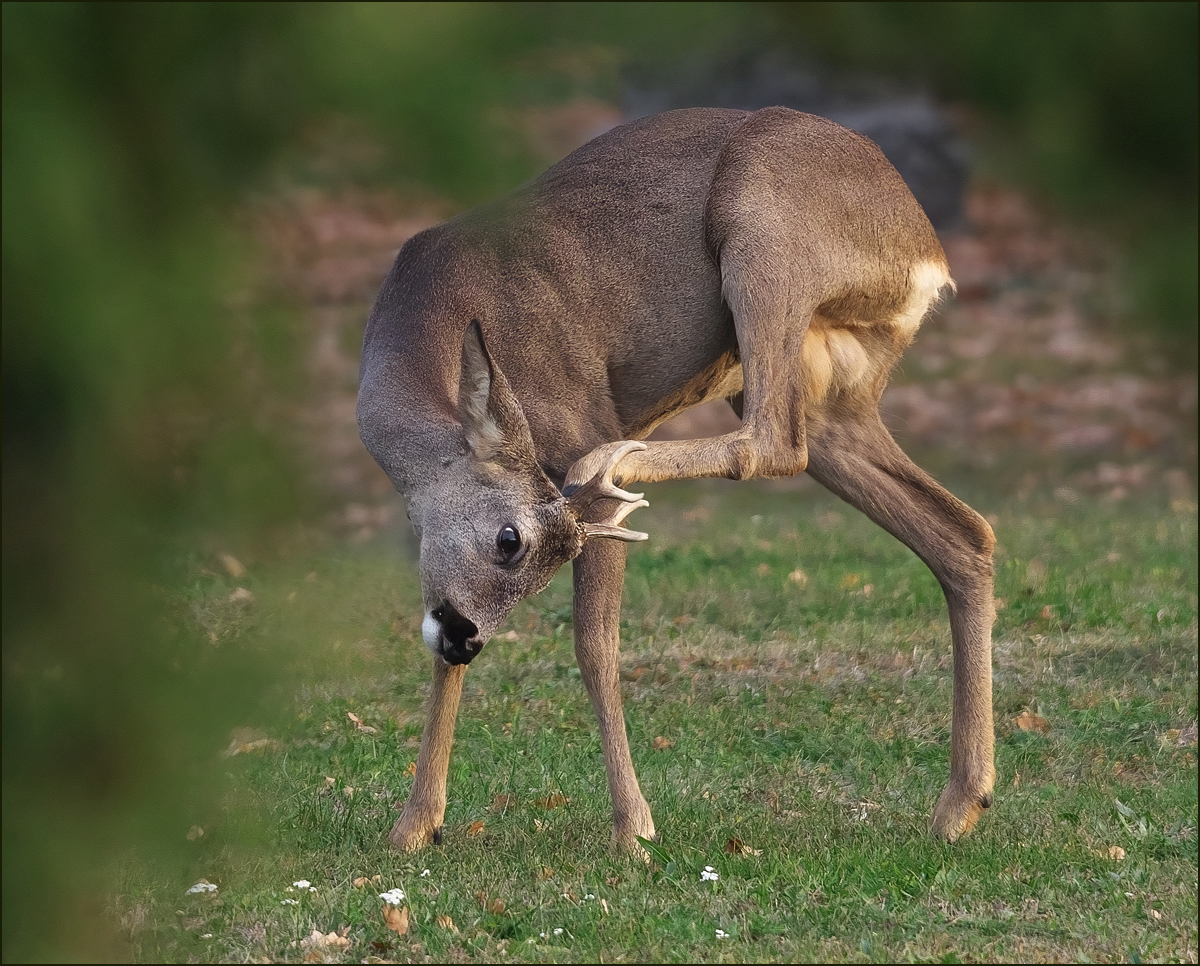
pixel 852 453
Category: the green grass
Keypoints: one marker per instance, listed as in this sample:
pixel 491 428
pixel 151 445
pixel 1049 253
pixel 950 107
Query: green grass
pixel 809 720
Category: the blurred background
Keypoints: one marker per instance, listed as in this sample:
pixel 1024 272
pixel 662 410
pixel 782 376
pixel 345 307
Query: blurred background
pixel 200 202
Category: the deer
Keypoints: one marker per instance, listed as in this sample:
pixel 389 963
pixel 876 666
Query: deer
pixel 519 354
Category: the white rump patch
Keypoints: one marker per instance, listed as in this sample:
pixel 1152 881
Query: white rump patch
pixel 431 630
pixel 925 281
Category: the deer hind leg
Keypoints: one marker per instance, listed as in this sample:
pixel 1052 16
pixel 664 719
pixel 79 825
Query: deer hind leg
pixel 421 821
pixel 599 572
pixel 855 457
pixel 771 325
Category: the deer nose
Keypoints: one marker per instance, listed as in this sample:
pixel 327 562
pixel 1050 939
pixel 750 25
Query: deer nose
pixel 458 646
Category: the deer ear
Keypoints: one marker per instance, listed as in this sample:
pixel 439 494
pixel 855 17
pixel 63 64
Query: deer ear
pixel 492 419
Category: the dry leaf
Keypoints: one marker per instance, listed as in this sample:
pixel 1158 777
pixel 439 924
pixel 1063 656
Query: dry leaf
pixel 736 846
pixel 411 769
pixel 661 744
pixel 1047 612
pixel 495 906
pixel 1028 721
pixel 317 940
pixel 798 577
pixel 503 801
pixel 234 567
pixel 476 828
pixel 445 922
pixel 395 918
pixel 358 723
pixel 557 800
pixel 194 833
pixel 1116 853
pixel 544 873
pixel 868 590
pixel 612 880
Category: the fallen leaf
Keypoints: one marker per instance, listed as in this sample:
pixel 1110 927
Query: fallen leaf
pixel 604 905
pixel 1155 913
pixel 241 595
pixel 317 940
pixel 851 580
pixel 503 801
pixel 736 846
pixel 348 791
pixel 495 906
pixel 1116 853
pixel 612 880
pixel 868 590
pixel 476 828
pixel 1047 612
pixel 661 744
pixel 358 723
pixel 246 740
pixel 234 567
pixel 798 577
pixel 445 922
pixel 194 833
pixel 557 800
pixel 395 918
pixel 1028 721
pixel 544 873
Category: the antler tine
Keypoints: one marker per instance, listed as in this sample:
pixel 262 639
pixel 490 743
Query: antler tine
pixel 601 486
pixel 612 526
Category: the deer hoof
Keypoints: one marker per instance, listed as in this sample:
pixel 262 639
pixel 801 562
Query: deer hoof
pixel 959 809
pixel 409 835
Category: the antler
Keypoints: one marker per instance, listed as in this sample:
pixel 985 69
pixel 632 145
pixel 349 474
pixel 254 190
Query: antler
pixel 602 487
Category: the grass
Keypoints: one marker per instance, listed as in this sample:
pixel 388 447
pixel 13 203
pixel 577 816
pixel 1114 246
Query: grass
pixel 796 659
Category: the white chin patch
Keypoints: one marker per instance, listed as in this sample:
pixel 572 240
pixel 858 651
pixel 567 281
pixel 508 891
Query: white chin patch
pixel 431 630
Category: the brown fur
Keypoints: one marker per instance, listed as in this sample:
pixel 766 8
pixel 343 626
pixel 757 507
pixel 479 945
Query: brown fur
pixel 773 257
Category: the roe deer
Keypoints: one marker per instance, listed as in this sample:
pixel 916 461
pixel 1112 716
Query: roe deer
pixel 517 353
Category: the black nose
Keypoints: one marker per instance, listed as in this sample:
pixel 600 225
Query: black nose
pixel 458 646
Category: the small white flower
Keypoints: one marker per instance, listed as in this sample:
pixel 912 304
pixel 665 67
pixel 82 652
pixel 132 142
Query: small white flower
pixel 709 874
pixel 393 897
pixel 558 931
pixel 589 896
pixel 425 874
pixel 207 935
pixel 201 887
pixel 542 934
pixel 302 884
pixel 722 934
pixel 289 902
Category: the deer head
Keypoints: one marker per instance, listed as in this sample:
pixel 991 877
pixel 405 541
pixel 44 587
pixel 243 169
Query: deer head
pixel 493 527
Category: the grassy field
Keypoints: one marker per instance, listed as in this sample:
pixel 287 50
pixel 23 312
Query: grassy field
pixel 787 688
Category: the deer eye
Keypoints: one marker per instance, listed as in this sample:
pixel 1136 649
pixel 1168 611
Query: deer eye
pixel 508 542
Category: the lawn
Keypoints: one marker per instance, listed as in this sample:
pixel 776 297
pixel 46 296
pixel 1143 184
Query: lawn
pixel 786 671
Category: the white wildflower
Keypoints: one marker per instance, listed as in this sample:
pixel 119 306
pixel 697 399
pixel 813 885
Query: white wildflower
pixel 722 934
pixel 302 884
pixel 201 886
pixel 207 935
pixel 425 874
pixel 393 897
pixel 709 874
pixel 289 902
pixel 589 896
pixel 558 931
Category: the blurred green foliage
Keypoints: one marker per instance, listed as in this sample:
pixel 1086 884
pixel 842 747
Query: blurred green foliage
pixel 138 439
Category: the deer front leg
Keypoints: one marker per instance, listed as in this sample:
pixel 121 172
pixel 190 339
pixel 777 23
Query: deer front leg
pixel 421 821
pixel 599 572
